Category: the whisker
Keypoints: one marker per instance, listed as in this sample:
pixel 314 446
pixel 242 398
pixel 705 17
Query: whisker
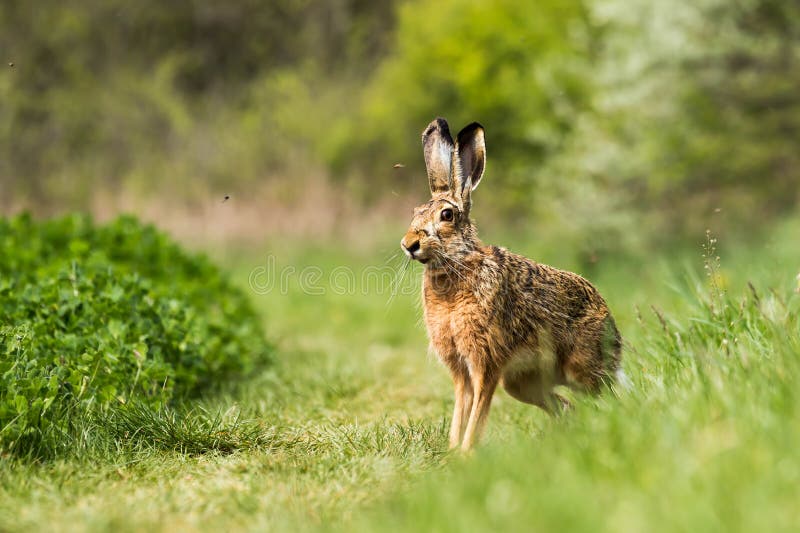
pixel 392 257
pixel 460 264
pixel 447 263
pixel 396 284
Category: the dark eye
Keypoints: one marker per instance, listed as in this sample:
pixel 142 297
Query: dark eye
pixel 447 215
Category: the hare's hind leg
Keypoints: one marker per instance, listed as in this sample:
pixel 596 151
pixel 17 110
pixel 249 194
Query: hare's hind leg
pixel 531 376
pixel 463 404
pixel 584 372
pixel 529 387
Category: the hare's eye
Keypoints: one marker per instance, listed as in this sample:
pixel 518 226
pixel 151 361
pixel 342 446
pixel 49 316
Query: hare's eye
pixel 447 215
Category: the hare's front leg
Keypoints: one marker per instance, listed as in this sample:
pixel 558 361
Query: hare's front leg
pixel 484 384
pixel 463 404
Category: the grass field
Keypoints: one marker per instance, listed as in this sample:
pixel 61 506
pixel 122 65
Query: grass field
pixel 348 430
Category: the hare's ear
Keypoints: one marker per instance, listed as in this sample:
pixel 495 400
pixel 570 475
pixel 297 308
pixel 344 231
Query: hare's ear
pixel 470 163
pixel 438 147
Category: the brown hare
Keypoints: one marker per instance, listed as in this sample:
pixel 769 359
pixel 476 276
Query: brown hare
pixel 494 317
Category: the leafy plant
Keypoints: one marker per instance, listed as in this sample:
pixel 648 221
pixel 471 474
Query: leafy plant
pixel 92 318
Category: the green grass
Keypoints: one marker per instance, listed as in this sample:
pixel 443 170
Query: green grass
pixel 348 429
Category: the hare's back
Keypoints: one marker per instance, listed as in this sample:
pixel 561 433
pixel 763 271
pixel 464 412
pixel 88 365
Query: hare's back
pixel 551 293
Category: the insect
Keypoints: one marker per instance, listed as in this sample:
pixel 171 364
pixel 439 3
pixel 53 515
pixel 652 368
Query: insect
pixel 494 317
pixel 398 165
pixel 227 197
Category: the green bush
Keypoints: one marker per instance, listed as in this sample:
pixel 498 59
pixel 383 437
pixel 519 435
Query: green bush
pixel 94 317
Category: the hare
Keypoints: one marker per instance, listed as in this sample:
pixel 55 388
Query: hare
pixel 494 317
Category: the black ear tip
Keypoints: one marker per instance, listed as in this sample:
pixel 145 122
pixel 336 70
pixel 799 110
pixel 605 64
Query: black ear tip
pixel 469 130
pixel 438 124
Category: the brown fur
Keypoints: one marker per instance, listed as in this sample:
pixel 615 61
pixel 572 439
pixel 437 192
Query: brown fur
pixel 495 317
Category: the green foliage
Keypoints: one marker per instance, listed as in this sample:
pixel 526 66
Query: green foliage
pixel 600 116
pixel 96 317
pixel 107 93
pixel 525 77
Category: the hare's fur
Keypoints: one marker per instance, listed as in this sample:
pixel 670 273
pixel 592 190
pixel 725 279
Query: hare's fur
pixel 495 317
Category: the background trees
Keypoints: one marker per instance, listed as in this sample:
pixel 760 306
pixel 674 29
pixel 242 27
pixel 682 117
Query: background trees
pixel 599 114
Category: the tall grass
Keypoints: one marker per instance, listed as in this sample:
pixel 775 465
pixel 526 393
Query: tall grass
pixel 706 440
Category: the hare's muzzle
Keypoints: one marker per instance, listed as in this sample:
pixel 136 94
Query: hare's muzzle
pixel 410 246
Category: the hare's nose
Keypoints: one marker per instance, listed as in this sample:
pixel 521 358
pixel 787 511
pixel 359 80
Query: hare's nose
pixel 411 248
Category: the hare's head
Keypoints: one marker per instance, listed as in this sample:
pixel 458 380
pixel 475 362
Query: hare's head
pixel 441 227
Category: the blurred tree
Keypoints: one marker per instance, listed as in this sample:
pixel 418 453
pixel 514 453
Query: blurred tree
pixel 743 114
pixel 521 70
pixel 99 88
pixel 696 113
